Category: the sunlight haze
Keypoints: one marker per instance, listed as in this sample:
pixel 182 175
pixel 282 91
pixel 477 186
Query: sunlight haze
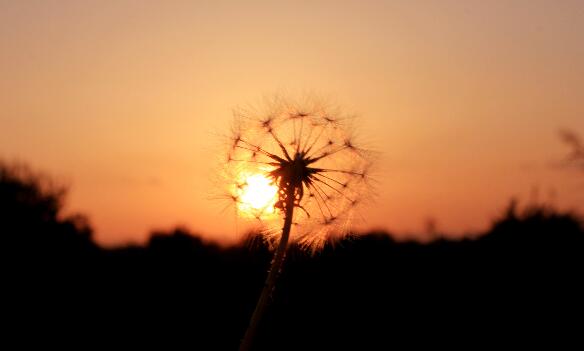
pixel 126 102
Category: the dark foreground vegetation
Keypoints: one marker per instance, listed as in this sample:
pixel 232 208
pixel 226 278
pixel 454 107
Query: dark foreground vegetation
pixel 517 284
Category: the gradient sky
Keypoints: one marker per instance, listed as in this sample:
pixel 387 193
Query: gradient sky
pixel 124 101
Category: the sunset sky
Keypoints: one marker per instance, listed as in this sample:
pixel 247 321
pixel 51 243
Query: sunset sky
pixel 125 101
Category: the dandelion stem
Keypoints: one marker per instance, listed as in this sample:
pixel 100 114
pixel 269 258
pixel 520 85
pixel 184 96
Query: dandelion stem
pixel 275 268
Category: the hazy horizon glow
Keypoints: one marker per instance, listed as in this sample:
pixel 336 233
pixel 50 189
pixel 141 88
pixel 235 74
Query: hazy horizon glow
pixel 126 100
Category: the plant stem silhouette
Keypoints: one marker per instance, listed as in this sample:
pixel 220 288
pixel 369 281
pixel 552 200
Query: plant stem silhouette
pixel 309 154
pixel 275 268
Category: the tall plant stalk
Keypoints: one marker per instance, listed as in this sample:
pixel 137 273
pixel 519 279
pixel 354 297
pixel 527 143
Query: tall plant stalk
pixel 275 269
pixel 310 155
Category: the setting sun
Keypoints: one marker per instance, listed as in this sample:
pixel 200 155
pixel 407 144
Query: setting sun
pixel 258 195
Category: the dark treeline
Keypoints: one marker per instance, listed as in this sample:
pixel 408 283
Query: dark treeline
pixel 518 283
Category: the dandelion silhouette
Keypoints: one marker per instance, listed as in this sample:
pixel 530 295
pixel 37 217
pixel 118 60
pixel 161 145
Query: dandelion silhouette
pixel 305 156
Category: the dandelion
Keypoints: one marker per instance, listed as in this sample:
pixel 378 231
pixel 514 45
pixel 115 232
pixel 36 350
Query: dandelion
pixel 296 162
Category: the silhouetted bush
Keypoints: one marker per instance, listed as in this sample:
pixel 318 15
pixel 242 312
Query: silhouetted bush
pixel 517 283
pixel 31 222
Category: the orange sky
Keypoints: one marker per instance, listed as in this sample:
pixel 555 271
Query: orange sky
pixel 124 100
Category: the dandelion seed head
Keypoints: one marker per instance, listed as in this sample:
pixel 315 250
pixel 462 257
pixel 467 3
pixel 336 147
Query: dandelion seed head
pixel 301 149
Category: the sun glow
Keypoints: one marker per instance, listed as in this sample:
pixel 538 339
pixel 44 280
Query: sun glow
pixel 258 195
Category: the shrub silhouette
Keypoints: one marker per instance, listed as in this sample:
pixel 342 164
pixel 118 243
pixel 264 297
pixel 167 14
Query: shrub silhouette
pixel 30 216
pixel 518 283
